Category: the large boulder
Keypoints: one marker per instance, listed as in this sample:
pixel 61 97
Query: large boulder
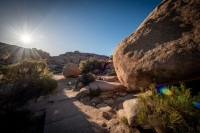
pixel 71 70
pixel 165 47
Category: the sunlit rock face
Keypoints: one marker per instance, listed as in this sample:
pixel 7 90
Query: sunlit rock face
pixel 165 47
pixel 76 57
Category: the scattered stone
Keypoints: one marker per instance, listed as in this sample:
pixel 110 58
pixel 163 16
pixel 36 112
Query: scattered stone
pixel 80 85
pixel 110 78
pixel 93 104
pixel 106 86
pixel 127 97
pixel 109 101
pixel 101 105
pixel 105 115
pixel 95 100
pixel 83 92
pixel 85 99
pixel 101 123
pixel 107 109
pixel 112 123
pixel 130 109
pixel 121 113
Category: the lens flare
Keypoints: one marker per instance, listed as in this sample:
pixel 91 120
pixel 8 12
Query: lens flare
pixel 197 104
pixel 163 90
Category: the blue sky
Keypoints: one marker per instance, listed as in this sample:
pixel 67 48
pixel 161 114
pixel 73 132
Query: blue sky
pixel 59 26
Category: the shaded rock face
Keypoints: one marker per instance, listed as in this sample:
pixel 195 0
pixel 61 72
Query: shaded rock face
pixel 165 47
pixel 10 54
pixel 71 70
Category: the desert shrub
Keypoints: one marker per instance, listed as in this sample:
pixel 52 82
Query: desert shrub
pixel 46 85
pixel 27 68
pixel 170 110
pixel 87 78
pixel 90 65
pixel 30 78
pixel 112 73
pixel 124 120
pixel 95 93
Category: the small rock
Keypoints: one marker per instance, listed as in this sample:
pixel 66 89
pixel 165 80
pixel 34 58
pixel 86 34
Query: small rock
pixel 127 97
pixel 83 92
pixel 101 123
pixel 95 100
pixel 121 113
pixel 109 101
pixel 80 85
pixel 106 86
pixel 112 123
pixel 101 105
pixel 107 109
pixel 93 104
pixel 85 99
pixel 110 78
pixel 130 109
pixel 105 115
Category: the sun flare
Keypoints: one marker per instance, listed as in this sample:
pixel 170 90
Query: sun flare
pixel 26 39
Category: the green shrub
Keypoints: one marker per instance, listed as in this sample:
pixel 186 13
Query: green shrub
pixel 95 93
pixel 124 120
pixel 30 79
pixel 87 78
pixel 27 68
pixel 112 73
pixel 171 111
pixel 90 65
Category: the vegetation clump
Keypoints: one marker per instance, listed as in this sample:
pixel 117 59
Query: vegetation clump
pixel 95 93
pixel 112 72
pixel 86 78
pixel 28 78
pixel 90 65
pixel 170 110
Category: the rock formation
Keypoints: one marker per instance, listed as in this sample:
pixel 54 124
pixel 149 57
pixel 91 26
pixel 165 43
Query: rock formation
pixel 76 57
pixel 165 48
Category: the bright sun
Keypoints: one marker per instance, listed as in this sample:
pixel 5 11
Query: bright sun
pixel 26 39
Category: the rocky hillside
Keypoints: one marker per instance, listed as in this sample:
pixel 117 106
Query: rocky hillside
pixel 165 48
pixel 76 57
pixel 11 54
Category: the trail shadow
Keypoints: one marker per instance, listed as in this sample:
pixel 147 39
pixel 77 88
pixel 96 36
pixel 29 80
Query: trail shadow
pixel 64 116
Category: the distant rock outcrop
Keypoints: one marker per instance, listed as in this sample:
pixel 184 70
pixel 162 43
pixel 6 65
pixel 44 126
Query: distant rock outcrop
pixel 10 54
pixel 76 57
pixel 165 47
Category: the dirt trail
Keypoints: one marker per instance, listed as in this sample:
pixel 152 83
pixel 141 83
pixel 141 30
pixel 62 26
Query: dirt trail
pixel 65 114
